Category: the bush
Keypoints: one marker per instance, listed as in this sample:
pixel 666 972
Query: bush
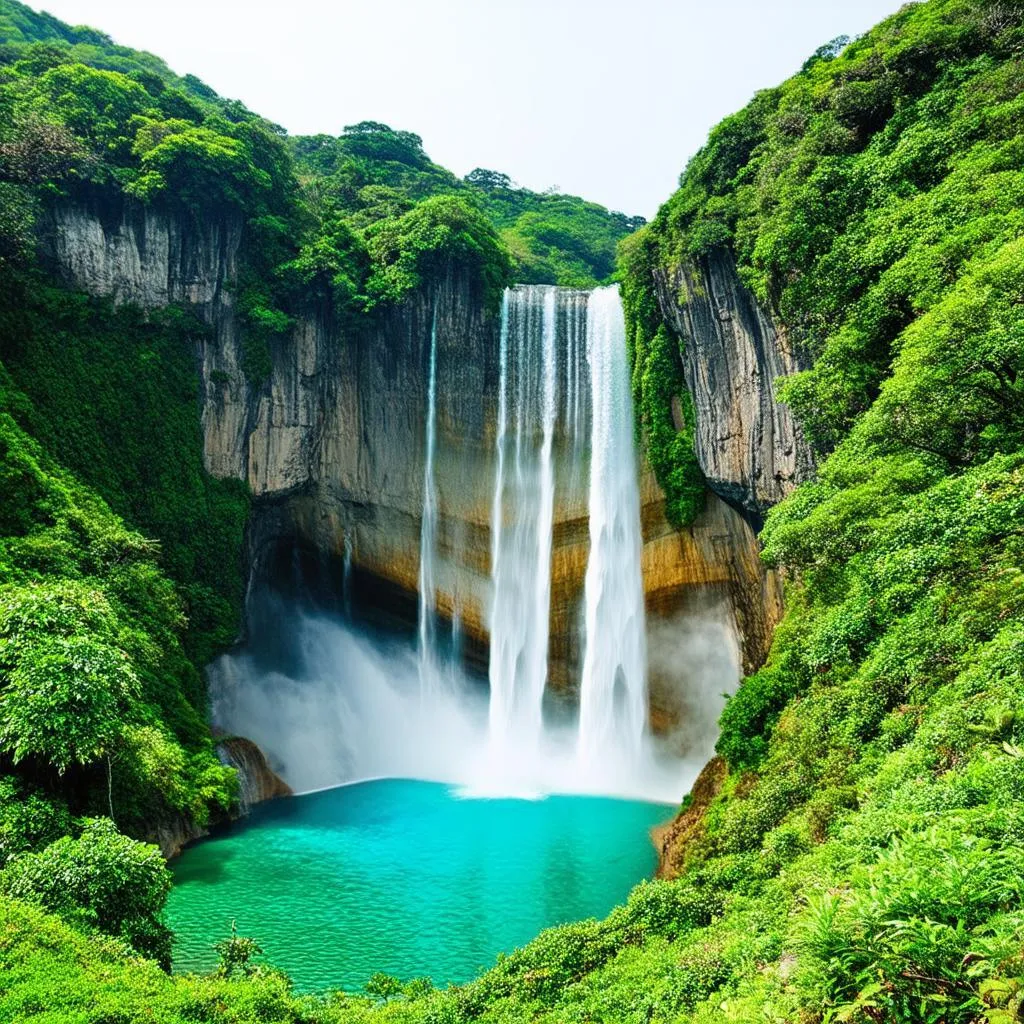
pixel 668 909
pixel 28 819
pixel 908 939
pixel 749 714
pixel 103 880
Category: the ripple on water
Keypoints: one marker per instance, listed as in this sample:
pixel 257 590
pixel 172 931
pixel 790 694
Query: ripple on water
pixel 405 877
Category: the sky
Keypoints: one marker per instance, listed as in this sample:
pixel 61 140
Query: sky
pixel 606 99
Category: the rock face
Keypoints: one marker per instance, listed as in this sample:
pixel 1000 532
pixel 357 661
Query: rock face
pixel 174 835
pixel 332 445
pixel 257 781
pixel 749 446
pixel 671 839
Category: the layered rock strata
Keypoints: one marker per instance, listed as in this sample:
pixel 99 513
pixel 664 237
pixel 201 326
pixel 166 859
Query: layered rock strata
pixel 332 443
pixel 749 446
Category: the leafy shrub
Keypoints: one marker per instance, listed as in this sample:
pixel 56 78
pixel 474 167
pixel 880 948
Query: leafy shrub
pixel 907 939
pixel 746 721
pixel 102 879
pixel 28 819
pixel 424 243
pixel 668 909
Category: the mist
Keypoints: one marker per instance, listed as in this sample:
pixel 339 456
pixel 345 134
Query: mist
pixel 331 703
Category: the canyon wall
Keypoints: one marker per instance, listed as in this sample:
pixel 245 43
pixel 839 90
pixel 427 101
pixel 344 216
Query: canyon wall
pixel 749 446
pixel 332 444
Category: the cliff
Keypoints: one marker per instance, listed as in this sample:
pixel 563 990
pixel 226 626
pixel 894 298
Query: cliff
pixel 332 444
pixel 750 448
pixel 257 781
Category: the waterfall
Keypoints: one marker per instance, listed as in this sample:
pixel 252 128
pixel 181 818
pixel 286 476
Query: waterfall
pixel 522 514
pixel 428 661
pixel 330 701
pixel 613 689
pixel 346 578
pixel 541 384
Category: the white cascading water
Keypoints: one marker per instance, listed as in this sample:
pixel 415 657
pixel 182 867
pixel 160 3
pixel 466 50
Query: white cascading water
pixel 346 578
pixel 430 675
pixel 331 703
pixel 613 688
pixel 522 516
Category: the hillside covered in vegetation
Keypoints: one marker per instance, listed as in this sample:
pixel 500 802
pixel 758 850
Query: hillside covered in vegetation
pixel 857 853
pixel 121 561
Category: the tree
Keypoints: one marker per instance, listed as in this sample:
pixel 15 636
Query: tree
pixel 96 105
pixel 103 880
pixel 828 51
pixel 488 180
pixel 68 687
pixel 383 986
pixel 196 164
pixel 425 241
pixel 381 142
pixel 34 150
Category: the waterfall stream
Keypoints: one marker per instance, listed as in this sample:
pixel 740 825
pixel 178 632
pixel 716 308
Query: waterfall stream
pixel 522 515
pixel 613 691
pixel 613 688
pixel 430 676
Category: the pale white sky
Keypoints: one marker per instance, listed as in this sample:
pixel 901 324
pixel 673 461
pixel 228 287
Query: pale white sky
pixel 603 98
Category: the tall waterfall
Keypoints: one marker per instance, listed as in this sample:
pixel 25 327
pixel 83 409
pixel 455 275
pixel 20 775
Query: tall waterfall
pixel 428 661
pixel 613 689
pixel 613 693
pixel 331 701
pixel 522 514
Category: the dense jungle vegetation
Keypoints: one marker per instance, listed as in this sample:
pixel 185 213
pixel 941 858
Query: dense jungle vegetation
pixel 863 856
pixel 121 570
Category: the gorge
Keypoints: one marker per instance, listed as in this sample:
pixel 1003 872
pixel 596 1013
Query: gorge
pixel 386 556
pixel 334 698
pixel 375 464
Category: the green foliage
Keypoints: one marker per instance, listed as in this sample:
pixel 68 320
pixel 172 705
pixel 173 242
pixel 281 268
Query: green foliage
pixel 662 405
pixel 746 722
pixel 862 860
pixel 97 106
pixel 55 974
pixel 873 204
pixel 67 689
pixel 198 166
pixel 383 986
pixel 29 819
pixel 434 237
pixel 373 173
pixel 137 440
pixel 94 682
pixel 103 880
pixel 911 938
pixel 235 954
pixel 858 192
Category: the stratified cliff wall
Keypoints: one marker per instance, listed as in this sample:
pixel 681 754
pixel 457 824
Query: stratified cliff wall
pixel 332 444
pixel 750 448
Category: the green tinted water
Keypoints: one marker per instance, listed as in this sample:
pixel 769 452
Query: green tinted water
pixel 406 878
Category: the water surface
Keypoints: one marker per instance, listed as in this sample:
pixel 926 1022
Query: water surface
pixel 405 877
